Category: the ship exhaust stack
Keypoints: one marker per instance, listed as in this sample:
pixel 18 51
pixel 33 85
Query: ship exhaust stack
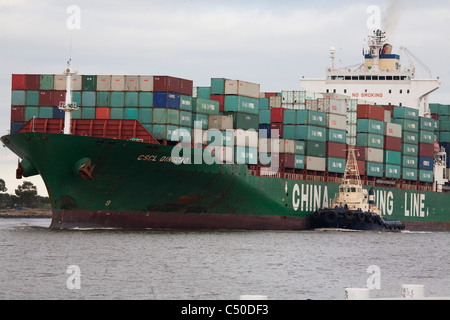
pixel 68 106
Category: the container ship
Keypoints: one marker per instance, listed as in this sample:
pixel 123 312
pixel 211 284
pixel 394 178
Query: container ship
pixel 149 151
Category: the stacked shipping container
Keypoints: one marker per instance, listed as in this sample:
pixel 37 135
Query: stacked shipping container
pixel 313 129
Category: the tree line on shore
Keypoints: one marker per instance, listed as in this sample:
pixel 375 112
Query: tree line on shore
pixel 24 196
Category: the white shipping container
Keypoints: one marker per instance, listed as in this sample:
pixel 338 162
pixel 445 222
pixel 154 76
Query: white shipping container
pixel 336 106
pixel 131 83
pixel 374 155
pixel 246 138
pixel 275 102
pixel 220 122
pixel 118 83
pixel 387 116
pixel 59 82
pixel 277 144
pixel 146 83
pixel 289 146
pixel 264 145
pixel 242 88
pixel 336 121
pixel 393 130
pixel 315 163
pixel 103 83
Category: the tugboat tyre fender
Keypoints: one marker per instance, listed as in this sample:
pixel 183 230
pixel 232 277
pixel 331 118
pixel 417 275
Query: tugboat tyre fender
pixel 331 216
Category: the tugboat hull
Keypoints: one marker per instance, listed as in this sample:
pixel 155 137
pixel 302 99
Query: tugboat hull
pixel 343 218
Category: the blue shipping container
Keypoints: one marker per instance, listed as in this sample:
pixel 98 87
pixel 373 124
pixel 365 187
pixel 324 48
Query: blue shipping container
pixel 166 100
pixel 426 163
pixel 264 130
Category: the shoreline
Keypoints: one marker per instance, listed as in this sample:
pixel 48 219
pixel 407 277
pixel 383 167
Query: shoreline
pixel 29 213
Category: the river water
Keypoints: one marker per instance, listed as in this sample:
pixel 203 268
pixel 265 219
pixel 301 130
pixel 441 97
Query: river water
pixel 41 263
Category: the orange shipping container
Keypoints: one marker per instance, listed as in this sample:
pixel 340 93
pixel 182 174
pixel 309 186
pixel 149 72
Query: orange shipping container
pixel 102 113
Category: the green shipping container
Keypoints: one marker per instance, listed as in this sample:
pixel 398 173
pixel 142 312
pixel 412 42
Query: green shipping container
pixel 245 121
pixel 244 155
pixel 312 133
pixel 31 112
pixel 335 165
pixel 88 113
pixel 76 98
pixel 444 110
pixel 18 97
pixel 241 104
pixel 407 125
pixel 217 86
pixel 200 117
pixel 370 140
pixel 117 99
pixel 300 147
pixel 374 169
pixel 290 117
pixel 410 137
pixel 76 114
pixel 145 99
pixel 406 113
pixel 46 82
pixel 116 113
pixel 409 174
pixel 444 125
pixel 45 112
pixel 131 99
pixel 32 97
pixel 165 132
pixel 426 137
pixel 186 103
pixel 338 136
pixel 299 162
pixel 392 157
pixel 264 116
pixel 88 98
pixel 392 171
pixel 185 118
pixel 89 83
pixel 444 137
pixel 130 113
pixel 426 124
pixel 370 126
pixel 426 175
pixel 410 150
pixel 316 149
pixel 173 116
pixel 409 162
pixel 309 117
pixel 205 106
pixel 103 99
pixel 145 115
pixel 289 131
pixel 264 103
pixel 204 92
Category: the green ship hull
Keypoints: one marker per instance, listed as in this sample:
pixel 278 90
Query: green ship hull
pixel 129 184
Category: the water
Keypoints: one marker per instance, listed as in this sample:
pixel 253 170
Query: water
pixel 121 264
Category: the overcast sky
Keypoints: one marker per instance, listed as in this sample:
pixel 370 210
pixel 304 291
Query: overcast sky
pixel 273 43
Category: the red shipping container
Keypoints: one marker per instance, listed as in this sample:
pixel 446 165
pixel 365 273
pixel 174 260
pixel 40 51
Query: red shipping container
pixel 46 98
pixel 392 143
pixel 18 82
pixel 102 113
pixel 270 94
pixel 435 116
pixel 336 150
pixel 288 160
pixel 360 153
pixel 166 84
pixel 17 114
pixel 276 126
pixel 221 99
pixel 361 167
pixel 277 115
pixel 367 111
pixel 389 107
pixel 186 87
pixel 33 82
pixel 426 150
pixel 57 97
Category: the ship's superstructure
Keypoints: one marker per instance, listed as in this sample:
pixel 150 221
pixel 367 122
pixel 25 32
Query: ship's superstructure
pixel 380 79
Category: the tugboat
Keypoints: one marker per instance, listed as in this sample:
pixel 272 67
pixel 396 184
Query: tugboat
pixel 353 207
